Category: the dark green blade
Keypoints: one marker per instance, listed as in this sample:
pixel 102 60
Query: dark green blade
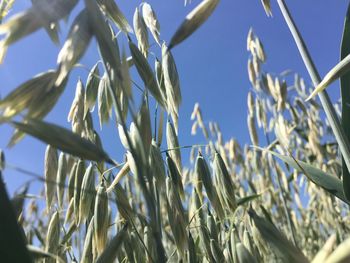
pixel 328 182
pixel 345 96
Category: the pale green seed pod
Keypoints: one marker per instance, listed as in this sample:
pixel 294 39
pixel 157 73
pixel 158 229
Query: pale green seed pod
pixel 171 83
pixel 79 174
pixel 226 183
pixel 51 167
pixel 160 78
pixel 252 130
pixel 203 172
pixel 71 181
pixel 101 218
pixel 87 194
pixel 173 145
pixel 124 208
pixel 75 45
pixel 144 126
pixel 76 113
pixel 104 100
pixel 92 84
pixel 156 164
pixel 122 172
pixel 70 211
pixel 267 6
pixel 61 178
pixel 87 254
pixel 175 176
pixel 151 21
pixel 176 217
pixel 53 236
pixel 212 227
pixel 141 33
pixel 251 72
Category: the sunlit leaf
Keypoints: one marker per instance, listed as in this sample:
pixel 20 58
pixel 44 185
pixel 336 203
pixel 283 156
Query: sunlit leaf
pixel 62 139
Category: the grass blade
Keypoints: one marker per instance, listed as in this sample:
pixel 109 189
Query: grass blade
pixel 62 139
pixel 345 97
pixel 281 245
pixel 328 182
pixel 339 70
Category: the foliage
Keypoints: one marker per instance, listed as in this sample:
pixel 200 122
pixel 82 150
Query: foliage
pixel 234 204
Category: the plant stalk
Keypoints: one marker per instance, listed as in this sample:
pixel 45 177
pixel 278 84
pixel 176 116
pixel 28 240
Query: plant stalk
pixel 332 117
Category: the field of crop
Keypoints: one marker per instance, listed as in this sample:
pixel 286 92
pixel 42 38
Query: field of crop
pixel 287 202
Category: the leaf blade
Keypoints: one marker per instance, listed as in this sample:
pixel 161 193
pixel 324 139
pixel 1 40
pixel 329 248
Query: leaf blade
pixel 345 98
pixel 63 139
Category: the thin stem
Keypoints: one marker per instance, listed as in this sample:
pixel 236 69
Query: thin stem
pixel 184 147
pixel 323 95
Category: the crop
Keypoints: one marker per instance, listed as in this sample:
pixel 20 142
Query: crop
pixel 286 202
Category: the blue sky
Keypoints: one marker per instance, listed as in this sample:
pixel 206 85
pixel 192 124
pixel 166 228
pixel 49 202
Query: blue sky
pixel 212 65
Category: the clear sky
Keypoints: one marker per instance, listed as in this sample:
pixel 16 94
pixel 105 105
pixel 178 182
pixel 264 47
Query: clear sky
pixel 212 65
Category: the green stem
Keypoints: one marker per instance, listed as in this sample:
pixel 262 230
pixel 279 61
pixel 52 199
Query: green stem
pixel 324 98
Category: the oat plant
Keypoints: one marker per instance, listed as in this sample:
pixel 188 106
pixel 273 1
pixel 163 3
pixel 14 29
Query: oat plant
pixel 233 203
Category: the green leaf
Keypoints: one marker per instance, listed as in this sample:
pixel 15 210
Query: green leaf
pixel 62 139
pixel 328 182
pixel 279 243
pixel 38 253
pixel 243 254
pixel 339 70
pixel 345 98
pixel 107 44
pixel 247 199
pixel 25 95
pixel 146 73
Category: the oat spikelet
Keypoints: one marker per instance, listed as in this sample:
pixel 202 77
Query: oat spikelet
pixel 267 7
pixel 173 145
pixel 87 193
pixel 53 236
pixel 76 113
pixel 87 254
pixel 141 32
pixel 61 178
pixel 79 174
pixel 101 218
pixel 252 130
pixel 69 212
pixel 50 172
pixel 151 21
